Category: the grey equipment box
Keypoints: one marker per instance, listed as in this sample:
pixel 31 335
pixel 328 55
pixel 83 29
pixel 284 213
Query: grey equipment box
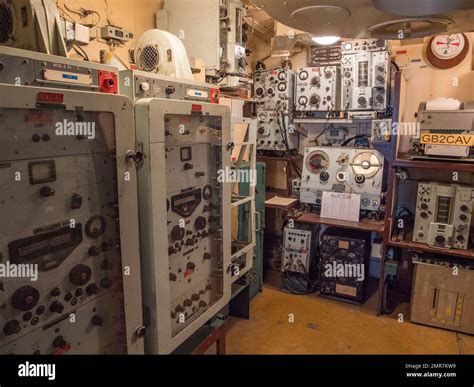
pixel 442 299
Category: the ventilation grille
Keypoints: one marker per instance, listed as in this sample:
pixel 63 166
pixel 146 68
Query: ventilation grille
pixel 6 23
pixel 324 55
pixel 148 58
pixel 410 28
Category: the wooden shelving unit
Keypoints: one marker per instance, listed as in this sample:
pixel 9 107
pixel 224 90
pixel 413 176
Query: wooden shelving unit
pixel 364 225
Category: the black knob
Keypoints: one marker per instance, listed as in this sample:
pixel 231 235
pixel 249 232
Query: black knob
pixel 80 275
pixel 188 166
pixel 25 298
pixel 92 289
pixel 79 292
pixel 45 137
pixel 200 223
pixel 463 217
pixel 59 342
pixel 189 242
pixel 460 238
pixel 93 251
pixel 68 297
pixel 440 239
pixel 55 292
pixel 187 302
pixel 47 192
pixel 97 320
pixel 195 297
pixel 177 233
pixel 206 256
pixel 36 137
pixel 56 307
pixel 11 327
pixel 171 250
pixel 190 266
pixel 105 246
pixel 324 176
pixel 169 90
pixel 106 283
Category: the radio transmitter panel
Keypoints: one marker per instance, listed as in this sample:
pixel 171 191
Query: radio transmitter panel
pixel 274 89
pixel 444 215
pixel 28 68
pixel 274 93
pixel 318 89
pixel 299 248
pixel 141 84
pixel 366 75
pixel 343 169
pixel 73 258
pixel 184 212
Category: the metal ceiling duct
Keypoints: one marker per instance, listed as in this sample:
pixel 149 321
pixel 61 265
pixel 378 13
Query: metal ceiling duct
pixel 388 19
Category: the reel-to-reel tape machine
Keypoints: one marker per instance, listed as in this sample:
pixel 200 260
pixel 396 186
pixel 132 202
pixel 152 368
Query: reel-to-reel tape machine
pixel 343 169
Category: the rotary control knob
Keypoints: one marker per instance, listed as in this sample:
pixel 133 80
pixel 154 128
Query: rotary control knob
pixel 55 292
pixel 25 298
pixel 80 275
pixel 177 233
pixel 324 176
pixel 97 321
pixel 315 99
pixel 187 302
pixel 189 242
pixel 261 130
pixel 12 327
pixel 195 297
pixel 463 217
pixel 170 90
pixel 47 192
pixel 200 223
pixel 59 342
pixel 144 86
pixel 359 179
pixel 206 256
pixel 440 239
pixel 362 101
pixel 92 289
pixel 56 307
pixel 93 251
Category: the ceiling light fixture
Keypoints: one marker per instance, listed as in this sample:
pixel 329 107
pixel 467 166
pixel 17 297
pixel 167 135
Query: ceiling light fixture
pixel 326 40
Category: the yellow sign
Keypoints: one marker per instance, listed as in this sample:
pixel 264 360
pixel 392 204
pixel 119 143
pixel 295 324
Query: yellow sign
pixel 447 139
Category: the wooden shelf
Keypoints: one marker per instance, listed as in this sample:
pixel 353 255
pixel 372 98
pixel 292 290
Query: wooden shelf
pixel 364 225
pixel 435 164
pixel 415 246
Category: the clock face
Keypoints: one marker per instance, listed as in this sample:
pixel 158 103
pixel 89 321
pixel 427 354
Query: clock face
pixel 448 46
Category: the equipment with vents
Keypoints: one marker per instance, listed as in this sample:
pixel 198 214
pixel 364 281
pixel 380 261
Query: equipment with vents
pixel 163 53
pixel 344 264
pixel 318 89
pixel 441 298
pixel 32 25
pixel 366 75
pixel 299 248
pixel 324 55
pixel 214 31
pixel 343 169
pixel 184 215
pixel 67 161
pixel 21 67
pixel 444 215
pixel 273 91
pixel 446 130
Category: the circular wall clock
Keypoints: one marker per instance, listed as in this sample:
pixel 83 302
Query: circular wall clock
pixel 446 51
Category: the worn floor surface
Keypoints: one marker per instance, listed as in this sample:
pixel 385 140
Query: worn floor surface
pixel 323 326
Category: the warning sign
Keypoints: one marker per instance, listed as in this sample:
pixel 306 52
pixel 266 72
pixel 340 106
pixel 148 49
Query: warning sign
pixel 447 139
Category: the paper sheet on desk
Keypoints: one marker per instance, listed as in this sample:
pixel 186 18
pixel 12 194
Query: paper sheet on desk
pixel 341 206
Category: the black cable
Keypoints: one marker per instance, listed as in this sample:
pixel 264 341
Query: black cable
pixel 396 66
pixel 354 138
pixel 80 52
